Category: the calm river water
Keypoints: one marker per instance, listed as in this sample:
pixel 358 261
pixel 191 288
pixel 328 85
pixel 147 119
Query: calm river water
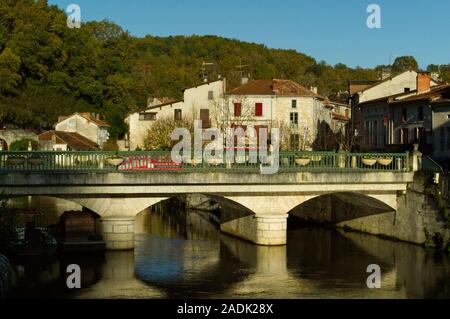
pixel 184 255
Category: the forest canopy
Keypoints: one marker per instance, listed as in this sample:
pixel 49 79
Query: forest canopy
pixel 48 69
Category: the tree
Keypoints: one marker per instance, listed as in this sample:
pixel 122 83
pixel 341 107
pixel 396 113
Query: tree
pixel 9 68
pixel 405 63
pixel 23 145
pixel 159 136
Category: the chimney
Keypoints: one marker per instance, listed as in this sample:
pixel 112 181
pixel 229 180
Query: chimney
pixel 313 89
pixel 97 116
pixel 244 80
pixel 423 82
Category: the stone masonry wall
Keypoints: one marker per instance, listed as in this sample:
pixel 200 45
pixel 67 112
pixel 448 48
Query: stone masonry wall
pixel 417 219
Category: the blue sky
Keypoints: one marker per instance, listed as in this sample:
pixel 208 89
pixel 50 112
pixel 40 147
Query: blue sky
pixel 330 30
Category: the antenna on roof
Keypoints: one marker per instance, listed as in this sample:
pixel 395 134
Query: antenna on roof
pixel 241 67
pixel 204 70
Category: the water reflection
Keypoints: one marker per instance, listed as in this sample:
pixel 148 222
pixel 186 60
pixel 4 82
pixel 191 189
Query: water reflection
pixel 182 254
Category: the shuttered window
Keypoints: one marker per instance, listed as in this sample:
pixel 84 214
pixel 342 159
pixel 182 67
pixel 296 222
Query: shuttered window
pixel 258 109
pixel 237 109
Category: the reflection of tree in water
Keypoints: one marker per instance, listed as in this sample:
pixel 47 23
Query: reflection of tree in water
pixel 423 273
pixel 183 253
pixel 336 258
pixel 45 277
pixel 329 257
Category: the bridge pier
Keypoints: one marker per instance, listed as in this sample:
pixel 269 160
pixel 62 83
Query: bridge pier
pixel 260 229
pixel 118 232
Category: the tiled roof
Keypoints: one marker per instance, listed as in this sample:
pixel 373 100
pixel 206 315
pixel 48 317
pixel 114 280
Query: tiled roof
pixel 163 104
pixel 435 93
pixel 203 83
pixel 273 87
pixel 75 141
pixel 88 116
pixel 340 117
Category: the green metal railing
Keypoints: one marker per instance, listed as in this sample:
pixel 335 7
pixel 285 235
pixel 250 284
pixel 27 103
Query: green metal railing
pixel 151 161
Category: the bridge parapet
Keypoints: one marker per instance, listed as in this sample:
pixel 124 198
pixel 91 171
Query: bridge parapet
pixel 161 161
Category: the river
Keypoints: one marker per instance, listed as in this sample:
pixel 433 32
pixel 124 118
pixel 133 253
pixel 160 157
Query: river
pixel 184 255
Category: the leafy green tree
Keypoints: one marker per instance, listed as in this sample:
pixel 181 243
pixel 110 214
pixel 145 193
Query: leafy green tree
pixel 405 63
pixel 9 71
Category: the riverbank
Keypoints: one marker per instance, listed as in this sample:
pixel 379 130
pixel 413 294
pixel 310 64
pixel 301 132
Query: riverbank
pixel 418 219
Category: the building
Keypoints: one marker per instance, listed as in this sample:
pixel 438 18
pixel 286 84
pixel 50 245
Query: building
pixel 65 141
pixel 397 121
pixel 440 108
pixel 200 102
pixel 366 91
pixel 87 125
pixel 340 116
pixel 282 104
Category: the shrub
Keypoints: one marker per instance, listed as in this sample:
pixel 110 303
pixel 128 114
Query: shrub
pixel 22 145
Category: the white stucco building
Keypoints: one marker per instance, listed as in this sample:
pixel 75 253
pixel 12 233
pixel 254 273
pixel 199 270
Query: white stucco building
pixel 87 125
pixel 199 103
pixel 280 104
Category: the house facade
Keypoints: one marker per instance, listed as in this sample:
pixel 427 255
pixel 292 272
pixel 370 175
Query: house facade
pixel 199 102
pixel 279 104
pixel 396 122
pixel 85 124
pixel 363 92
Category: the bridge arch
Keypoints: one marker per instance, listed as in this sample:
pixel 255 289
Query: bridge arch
pixel 3 144
pixel 343 206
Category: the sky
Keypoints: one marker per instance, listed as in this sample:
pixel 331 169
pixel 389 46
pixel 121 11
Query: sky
pixel 334 31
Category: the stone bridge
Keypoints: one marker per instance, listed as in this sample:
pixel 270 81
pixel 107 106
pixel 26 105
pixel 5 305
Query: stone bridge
pixel 7 137
pixel 119 191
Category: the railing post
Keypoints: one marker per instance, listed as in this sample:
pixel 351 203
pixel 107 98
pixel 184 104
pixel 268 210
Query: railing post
pixel 416 159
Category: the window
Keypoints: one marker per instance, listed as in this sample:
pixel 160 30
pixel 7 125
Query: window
pixel 404 115
pixel 204 117
pixel 421 135
pixel 237 109
pixel 407 90
pixel 258 109
pixel 294 141
pixel 210 95
pixel 420 113
pixel 294 119
pixel 177 115
pixel 147 116
pixel 405 136
pixel 72 123
pixel 375 133
pixel 294 104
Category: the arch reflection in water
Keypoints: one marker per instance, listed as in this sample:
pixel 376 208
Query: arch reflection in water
pixel 182 254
